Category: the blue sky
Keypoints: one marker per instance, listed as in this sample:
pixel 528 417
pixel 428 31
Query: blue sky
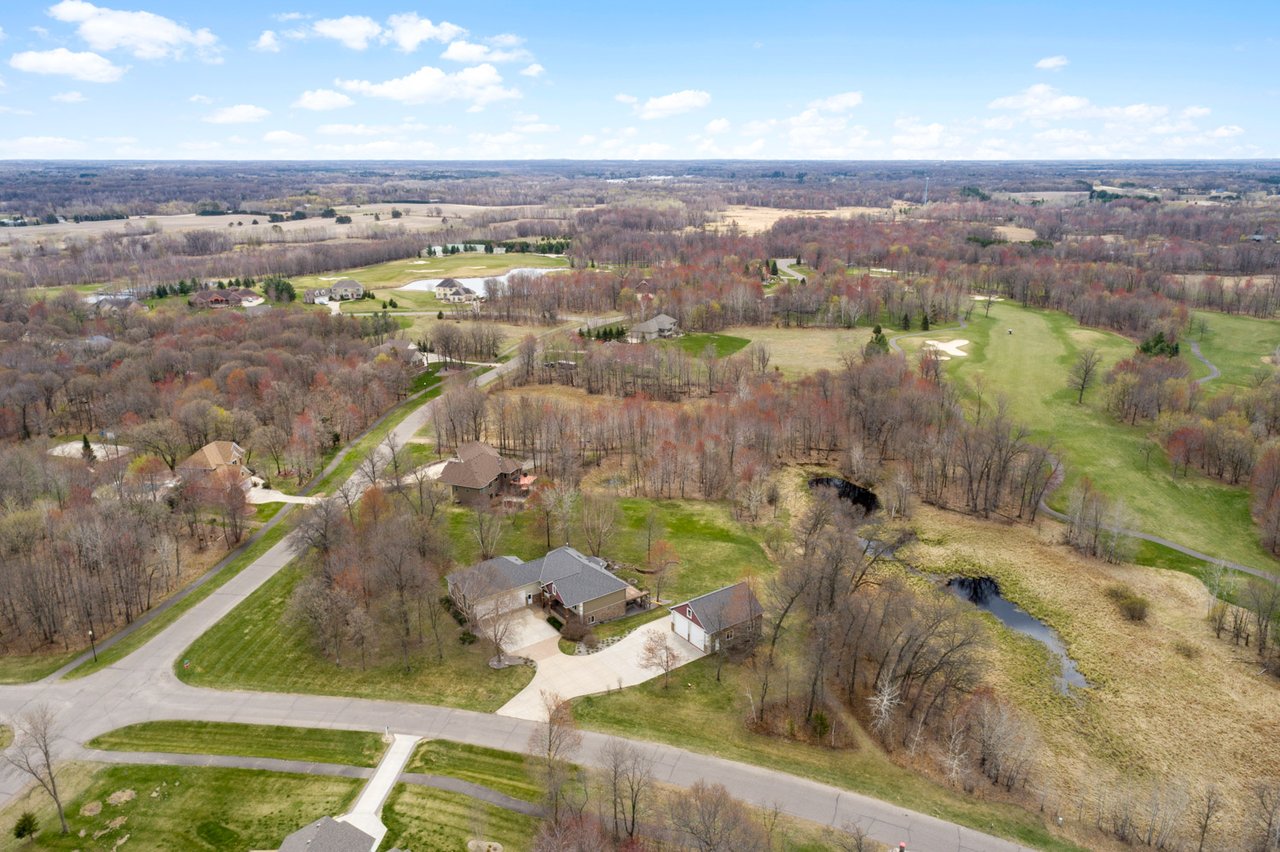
pixel 144 79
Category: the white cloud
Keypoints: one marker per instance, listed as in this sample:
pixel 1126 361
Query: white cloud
pixel 675 103
pixel 200 99
pixel 1042 100
pixel 68 98
pixel 238 114
pixel 284 137
pixel 407 31
pixel 533 125
pixel 1226 131
pixel 39 147
pixel 502 48
pixel 915 139
pixel 1053 63
pixel 1196 112
pixel 284 17
pixel 481 84
pixel 144 34
pixel 267 42
pixel 626 99
pixel 838 103
pixel 353 31
pixel 353 130
pixel 320 100
pixel 116 140
pixel 86 66
pixel 718 125
pixel 534 70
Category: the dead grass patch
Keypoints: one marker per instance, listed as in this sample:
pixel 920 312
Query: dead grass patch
pixel 754 220
pixel 799 351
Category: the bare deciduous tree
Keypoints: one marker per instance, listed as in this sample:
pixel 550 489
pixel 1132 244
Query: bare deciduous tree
pixel 487 528
pixel 599 517
pixel 711 820
pixel 1207 813
pixel 628 776
pixel 554 744
pixel 658 653
pixel 1084 372
pixel 32 752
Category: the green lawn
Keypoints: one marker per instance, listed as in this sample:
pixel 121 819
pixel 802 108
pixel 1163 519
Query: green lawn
pixel 264 512
pixel 384 276
pixel 351 748
pixel 714 549
pixel 1235 344
pixel 427 820
pixel 144 634
pixel 32 667
pixel 1029 367
pixel 256 647
pixel 184 808
pixel 504 771
pixel 699 714
pixel 6 736
pixel 723 344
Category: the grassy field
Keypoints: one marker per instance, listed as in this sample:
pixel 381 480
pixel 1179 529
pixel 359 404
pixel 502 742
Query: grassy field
pixel 1029 367
pixel 724 345
pixel 263 512
pixel 28 668
pixel 180 808
pixel 800 351
pixel 351 748
pixel 6 736
pixel 1235 344
pixel 713 548
pixel 427 820
pixel 504 771
pixel 257 647
pixel 144 634
pixel 382 277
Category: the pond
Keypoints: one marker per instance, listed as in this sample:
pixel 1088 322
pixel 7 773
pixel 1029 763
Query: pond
pixel 984 593
pixel 846 490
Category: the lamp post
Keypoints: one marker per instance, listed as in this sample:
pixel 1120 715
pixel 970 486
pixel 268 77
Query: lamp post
pixel 93 646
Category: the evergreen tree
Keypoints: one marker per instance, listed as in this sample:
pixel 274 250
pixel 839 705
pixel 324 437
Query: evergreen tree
pixel 86 450
pixel 27 825
pixel 906 320
pixel 924 322
pixel 773 268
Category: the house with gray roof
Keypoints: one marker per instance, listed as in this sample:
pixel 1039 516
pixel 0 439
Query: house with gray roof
pixel 565 580
pixel 661 326
pixel 328 835
pixel 719 620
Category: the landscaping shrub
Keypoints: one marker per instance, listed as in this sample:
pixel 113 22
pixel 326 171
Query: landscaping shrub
pixel 574 631
pixel 466 637
pixel 26 825
pixel 591 640
pixel 555 622
pixel 452 609
pixel 1133 605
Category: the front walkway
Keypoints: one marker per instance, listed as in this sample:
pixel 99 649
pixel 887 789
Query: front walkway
pixel 615 667
pixel 366 814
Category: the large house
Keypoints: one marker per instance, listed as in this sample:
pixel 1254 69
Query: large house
pixel 651 329
pixel 570 583
pixel 229 298
pixel 329 835
pixel 453 290
pixel 342 290
pixel 480 474
pixel 720 619
pixel 217 459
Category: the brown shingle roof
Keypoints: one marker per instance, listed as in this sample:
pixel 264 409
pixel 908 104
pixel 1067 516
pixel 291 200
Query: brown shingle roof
pixel 477 465
pixel 214 456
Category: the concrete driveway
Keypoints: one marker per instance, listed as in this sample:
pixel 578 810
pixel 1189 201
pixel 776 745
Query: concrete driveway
pixel 528 628
pixel 569 676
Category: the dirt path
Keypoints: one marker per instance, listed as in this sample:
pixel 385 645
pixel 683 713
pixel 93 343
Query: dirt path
pixel 1214 372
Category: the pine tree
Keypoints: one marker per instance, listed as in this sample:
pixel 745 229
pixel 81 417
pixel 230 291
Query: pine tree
pixel 86 450
pixel 906 320
pixel 924 322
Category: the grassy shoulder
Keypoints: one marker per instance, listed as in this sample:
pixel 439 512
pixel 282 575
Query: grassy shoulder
pixel 258 647
pixel 351 748
pixel 504 771
pixel 6 737
pixel 146 632
pixel 1029 368
pixel 33 667
pixel 429 820
pixel 171 807
pixel 698 713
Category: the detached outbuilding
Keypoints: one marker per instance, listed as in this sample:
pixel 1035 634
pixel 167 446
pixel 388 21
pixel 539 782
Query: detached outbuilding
pixel 719 620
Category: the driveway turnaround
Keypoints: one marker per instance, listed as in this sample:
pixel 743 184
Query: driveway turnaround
pixel 528 627
pixel 615 667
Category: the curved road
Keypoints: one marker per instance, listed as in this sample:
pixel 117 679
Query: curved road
pixel 143 687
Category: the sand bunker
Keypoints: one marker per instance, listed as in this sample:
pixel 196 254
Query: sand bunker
pixel 987 299
pixel 951 348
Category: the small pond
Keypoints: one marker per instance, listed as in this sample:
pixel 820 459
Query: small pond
pixel 846 490
pixel 984 593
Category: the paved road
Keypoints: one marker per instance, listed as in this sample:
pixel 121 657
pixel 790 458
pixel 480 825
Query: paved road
pixel 1214 372
pixel 785 265
pixel 143 687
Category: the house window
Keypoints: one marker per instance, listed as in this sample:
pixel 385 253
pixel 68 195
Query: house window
pixel 591 620
pixel 728 635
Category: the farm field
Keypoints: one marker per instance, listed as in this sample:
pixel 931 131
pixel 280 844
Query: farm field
pixel 1029 368
pixel 755 220
pixel 171 807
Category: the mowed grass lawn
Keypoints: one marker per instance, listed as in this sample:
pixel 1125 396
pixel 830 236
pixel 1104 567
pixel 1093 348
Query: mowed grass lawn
pixel 350 748
pixel 714 549
pixel 723 345
pixel 801 351
pixel 1029 368
pixel 504 771
pixel 1236 345
pixel 258 647
pixel 394 273
pixel 428 820
pixel 180 808
pixel 27 668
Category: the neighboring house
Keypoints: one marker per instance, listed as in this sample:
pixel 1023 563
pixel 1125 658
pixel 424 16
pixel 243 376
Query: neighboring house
pixel 231 298
pixel 316 296
pixel 651 329
pixel 719 619
pixel 217 458
pixel 570 583
pixel 346 288
pixel 401 350
pixel 453 290
pixel 480 474
pixel 329 835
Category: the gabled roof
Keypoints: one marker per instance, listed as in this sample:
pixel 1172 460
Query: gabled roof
pixel 493 576
pixel 327 835
pixel 723 608
pixel 477 465
pixel 214 455
pixel 577 578
pixel 661 322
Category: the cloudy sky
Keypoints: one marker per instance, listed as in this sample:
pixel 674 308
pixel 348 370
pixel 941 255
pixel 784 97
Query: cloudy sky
pixel 144 79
